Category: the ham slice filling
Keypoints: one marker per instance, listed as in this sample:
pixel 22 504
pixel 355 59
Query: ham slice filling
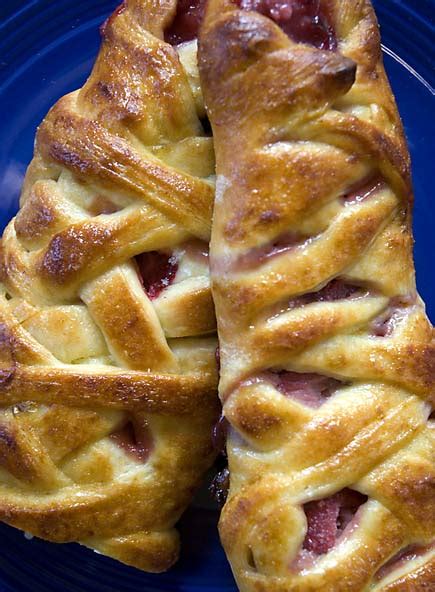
pixel 157 271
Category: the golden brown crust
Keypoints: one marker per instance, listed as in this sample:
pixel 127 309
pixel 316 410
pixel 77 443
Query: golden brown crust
pixel 121 167
pixel 320 190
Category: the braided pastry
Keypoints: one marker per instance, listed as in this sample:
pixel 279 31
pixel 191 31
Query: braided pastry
pixel 327 357
pixel 108 373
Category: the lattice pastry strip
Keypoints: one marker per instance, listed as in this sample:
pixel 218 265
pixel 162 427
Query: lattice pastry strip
pixel 107 353
pixel 327 356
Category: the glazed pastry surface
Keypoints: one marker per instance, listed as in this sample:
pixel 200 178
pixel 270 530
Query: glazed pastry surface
pixel 327 356
pixel 108 374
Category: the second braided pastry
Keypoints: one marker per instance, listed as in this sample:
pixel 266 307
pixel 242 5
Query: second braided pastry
pixel 327 356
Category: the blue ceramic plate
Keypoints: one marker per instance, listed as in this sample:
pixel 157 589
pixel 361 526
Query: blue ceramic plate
pixel 46 50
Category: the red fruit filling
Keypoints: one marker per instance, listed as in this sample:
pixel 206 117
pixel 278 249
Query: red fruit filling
pixel 185 25
pixel 304 21
pixel 283 244
pixel 217 355
pixel 219 435
pixel 363 189
pixel 385 323
pixel 327 519
pixel 310 389
pixel 157 271
pixel 407 554
pixel 220 485
pixel 335 290
pixel 135 439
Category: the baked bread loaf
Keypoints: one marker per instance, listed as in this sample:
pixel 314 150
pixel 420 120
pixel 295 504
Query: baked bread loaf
pixel 327 356
pixel 108 374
